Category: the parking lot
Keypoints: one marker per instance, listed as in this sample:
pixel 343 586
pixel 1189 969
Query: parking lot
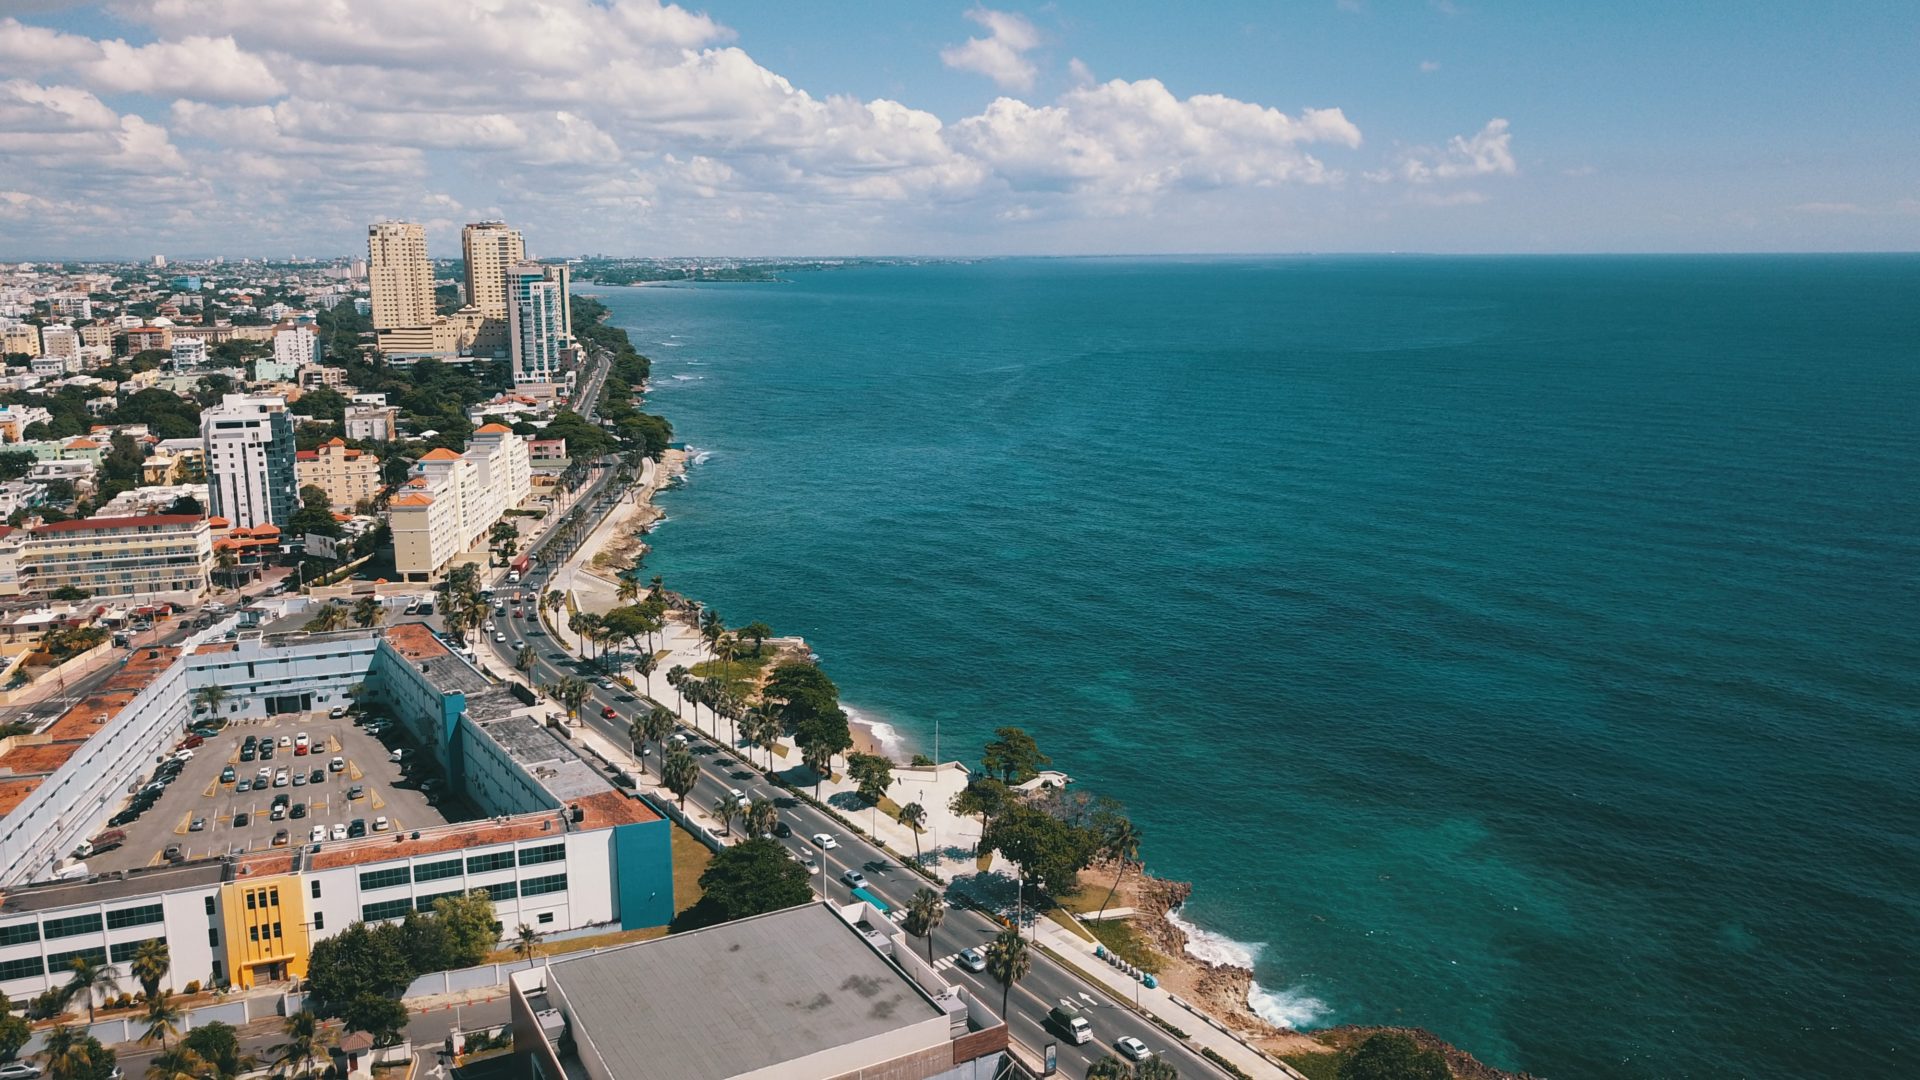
pixel 347 775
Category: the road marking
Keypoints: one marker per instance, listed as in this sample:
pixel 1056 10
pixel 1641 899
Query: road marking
pixel 354 773
pixel 376 801
pixel 185 820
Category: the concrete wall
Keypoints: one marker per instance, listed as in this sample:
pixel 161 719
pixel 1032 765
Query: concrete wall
pixel 324 665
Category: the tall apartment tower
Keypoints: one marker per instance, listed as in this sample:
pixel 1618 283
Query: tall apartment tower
pixel 540 320
pixel 401 278
pixel 251 478
pixel 490 247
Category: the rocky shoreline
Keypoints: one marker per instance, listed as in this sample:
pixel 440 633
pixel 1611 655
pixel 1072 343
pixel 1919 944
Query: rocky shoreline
pixel 1224 990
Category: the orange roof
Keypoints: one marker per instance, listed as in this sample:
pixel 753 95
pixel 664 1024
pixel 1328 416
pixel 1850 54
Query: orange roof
pixel 493 429
pixel 608 808
pixel 440 454
pixel 415 641
pixel 87 716
pixel 15 791
pixel 266 530
pixel 82 444
pixel 411 500
pixel 29 760
pixel 452 838
pixel 335 441
pixel 218 522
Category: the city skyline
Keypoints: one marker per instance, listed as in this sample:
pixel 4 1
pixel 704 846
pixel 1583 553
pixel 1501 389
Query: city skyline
pixel 641 128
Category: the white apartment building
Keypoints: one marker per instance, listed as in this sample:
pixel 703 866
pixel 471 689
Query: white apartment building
pixel 61 340
pixel 453 499
pixel 401 277
pixel 15 419
pixel 250 460
pixel 370 419
pixel 293 349
pixel 143 556
pixel 539 320
pixel 70 306
pixel 189 354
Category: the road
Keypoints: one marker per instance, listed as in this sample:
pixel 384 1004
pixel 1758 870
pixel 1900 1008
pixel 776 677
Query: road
pixel 1030 998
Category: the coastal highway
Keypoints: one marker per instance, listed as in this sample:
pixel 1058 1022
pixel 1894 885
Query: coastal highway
pixel 962 928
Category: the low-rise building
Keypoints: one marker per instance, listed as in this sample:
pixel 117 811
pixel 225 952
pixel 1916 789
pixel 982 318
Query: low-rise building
pixel 59 339
pixel 189 354
pixel 147 555
pixel 144 338
pixel 348 476
pixel 15 419
pixel 372 420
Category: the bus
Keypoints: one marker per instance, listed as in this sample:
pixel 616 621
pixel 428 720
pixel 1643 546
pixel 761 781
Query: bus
pixel 879 905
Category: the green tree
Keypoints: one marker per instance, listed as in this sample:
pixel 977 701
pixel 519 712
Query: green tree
pixel 758 633
pixel 821 736
pixel 367 611
pixel 914 817
pixel 726 808
pixel 381 1017
pixel 925 910
pixel 984 796
pixel 1008 961
pixel 760 817
pixel 525 940
pixel 306 1041
pixel 208 699
pixel 571 691
pixel 14 1031
pixel 329 618
pixel 1122 845
pixel 314 516
pixel 218 1044
pixel 1014 756
pixel 359 959
pixel 679 772
pixel 162 1019
pixel 654 725
pixel 470 924
pixel 89 980
pixel 1392 1056
pixel 1050 852
pixel 872 774
pixel 752 877
pixel 524 656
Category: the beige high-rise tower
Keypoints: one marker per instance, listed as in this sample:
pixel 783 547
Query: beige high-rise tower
pixel 490 247
pixel 401 278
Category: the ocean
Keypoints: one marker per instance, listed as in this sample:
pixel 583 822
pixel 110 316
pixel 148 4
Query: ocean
pixel 1527 649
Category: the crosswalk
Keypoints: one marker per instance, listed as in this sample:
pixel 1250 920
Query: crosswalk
pixel 949 962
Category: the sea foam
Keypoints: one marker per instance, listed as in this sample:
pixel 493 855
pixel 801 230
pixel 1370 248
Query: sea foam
pixel 1293 1009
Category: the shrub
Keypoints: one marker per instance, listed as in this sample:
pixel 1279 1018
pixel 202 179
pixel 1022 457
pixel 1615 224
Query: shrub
pixel 1226 1066
pixel 193 987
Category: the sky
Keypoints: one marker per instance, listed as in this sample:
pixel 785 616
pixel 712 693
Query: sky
pixel 271 128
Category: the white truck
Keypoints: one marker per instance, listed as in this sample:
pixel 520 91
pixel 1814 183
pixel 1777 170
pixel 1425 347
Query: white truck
pixel 1066 1016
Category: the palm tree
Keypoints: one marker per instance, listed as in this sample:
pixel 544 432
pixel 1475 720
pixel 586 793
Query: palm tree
pixel 760 817
pixel 712 630
pixel 1008 961
pixel 367 611
pixel 329 618
pixel 676 677
pixel 226 559
pixel 178 1063
pixel 523 658
pixel 306 1038
pixel 210 697
pixel 629 590
pixel 69 1053
pixel 89 979
pixel 151 962
pixel 924 912
pixel 679 772
pixel 646 664
pixel 656 723
pixel 914 816
pixel 163 1021
pixel 761 728
pixel 525 940
pixel 726 808
pixel 571 691
pixel 1122 843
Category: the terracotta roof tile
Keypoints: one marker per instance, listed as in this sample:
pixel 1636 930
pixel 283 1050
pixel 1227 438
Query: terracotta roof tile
pixel 440 454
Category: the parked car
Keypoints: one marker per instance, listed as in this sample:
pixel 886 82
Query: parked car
pixel 316 776
pixel 247 753
pixel 338 711
pixel 249 742
pixel 241 819
pixel 19 1070
pixel 198 824
pixel 243 785
pixel 299 810
pixel 280 838
pixel 337 764
pixel 356 791
pixel 380 824
pixel 183 755
pixel 397 756
pixel 280 778
pixel 226 775
pixel 318 833
pixel 339 830
pixel 357 827
pixel 191 742
pixel 278 813
pixel 299 779
pixel 174 853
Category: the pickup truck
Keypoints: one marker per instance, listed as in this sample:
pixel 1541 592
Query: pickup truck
pixel 1066 1016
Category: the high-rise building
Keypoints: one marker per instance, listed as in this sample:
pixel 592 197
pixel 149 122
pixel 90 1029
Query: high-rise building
pixel 401 278
pixel 539 320
pixel 490 248
pixel 251 480
pixel 293 349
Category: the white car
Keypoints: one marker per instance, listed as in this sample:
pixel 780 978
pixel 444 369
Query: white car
pixel 302 740
pixel 500 638
pixel 339 830
pixel 336 764
pixel 825 841
pixel 739 797
pixel 319 833
pixel 397 755
pixel 854 879
pixel 1133 1049
pixel 183 755
pixel 280 778
pixel 19 1070
pixel 286 741
pixel 380 824
pixel 972 960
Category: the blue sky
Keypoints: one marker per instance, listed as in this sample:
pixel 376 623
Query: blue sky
pixel 256 127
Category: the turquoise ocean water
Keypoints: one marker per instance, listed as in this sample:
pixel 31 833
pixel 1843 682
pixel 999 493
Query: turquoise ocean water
pixel 1526 649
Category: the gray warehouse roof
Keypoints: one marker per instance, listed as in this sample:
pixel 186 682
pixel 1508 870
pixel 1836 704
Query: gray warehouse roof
pixel 734 998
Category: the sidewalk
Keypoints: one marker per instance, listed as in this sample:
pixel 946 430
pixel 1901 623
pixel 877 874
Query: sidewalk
pixel 1202 1030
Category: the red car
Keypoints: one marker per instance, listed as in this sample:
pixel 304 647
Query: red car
pixel 191 741
pixel 607 711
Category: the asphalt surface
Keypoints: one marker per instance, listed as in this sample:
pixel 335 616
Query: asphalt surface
pixel 962 928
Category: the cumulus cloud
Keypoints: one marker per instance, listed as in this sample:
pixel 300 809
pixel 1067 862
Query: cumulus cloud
pixel 616 121
pixel 1001 55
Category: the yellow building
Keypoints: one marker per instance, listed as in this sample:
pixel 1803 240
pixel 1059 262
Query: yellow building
pixel 23 338
pixel 149 555
pixel 266 929
pixel 348 476
pixel 399 274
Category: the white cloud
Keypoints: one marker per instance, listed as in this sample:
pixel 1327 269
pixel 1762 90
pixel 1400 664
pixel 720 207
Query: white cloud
pixel 207 68
pixel 1079 72
pixel 1488 152
pixel 1001 55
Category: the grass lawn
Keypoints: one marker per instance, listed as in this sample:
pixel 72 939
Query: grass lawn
pixel 1124 941
pixel 1316 1066
pixel 1086 899
pixel 741 674
pixel 690 859
pixel 1073 927
pixel 591 941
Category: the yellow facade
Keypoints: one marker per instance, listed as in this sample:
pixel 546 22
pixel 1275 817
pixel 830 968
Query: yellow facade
pixel 266 929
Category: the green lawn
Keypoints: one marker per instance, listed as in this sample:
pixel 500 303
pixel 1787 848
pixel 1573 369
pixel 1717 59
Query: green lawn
pixel 690 859
pixel 740 674
pixel 1121 939
pixel 1316 1066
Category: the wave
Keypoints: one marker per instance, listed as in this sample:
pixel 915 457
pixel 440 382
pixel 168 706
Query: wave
pixel 1293 1009
pixel 888 736
pixel 670 344
pixel 697 456
pixel 688 378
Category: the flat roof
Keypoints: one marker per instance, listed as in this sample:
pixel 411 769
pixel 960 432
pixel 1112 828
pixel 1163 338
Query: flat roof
pixel 117 885
pixel 468 834
pixel 735 998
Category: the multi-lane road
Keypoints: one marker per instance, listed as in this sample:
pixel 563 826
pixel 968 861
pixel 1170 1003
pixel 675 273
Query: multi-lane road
pixel 720 772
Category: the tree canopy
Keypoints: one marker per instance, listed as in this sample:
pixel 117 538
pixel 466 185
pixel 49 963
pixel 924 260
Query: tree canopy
pixel 1390 1055
pixel 752 877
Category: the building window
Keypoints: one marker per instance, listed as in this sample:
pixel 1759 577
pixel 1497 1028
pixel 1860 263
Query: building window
pixel 276 930
pixel 546 917
pixel 505 890
pixel 19 933
pixel 62 962
pixel 540 886
pixel 386 909
pixel 549 853
pixel 316 888
pixel 135 916
pixel 213 936
pixel 209 901
pixel 496 860
pixel 24 968
pixel 71 925
pixel 253 933
pixel 437 871
pixel 250 901
pixel 319 920
pixel 123 951
pixel 383 879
